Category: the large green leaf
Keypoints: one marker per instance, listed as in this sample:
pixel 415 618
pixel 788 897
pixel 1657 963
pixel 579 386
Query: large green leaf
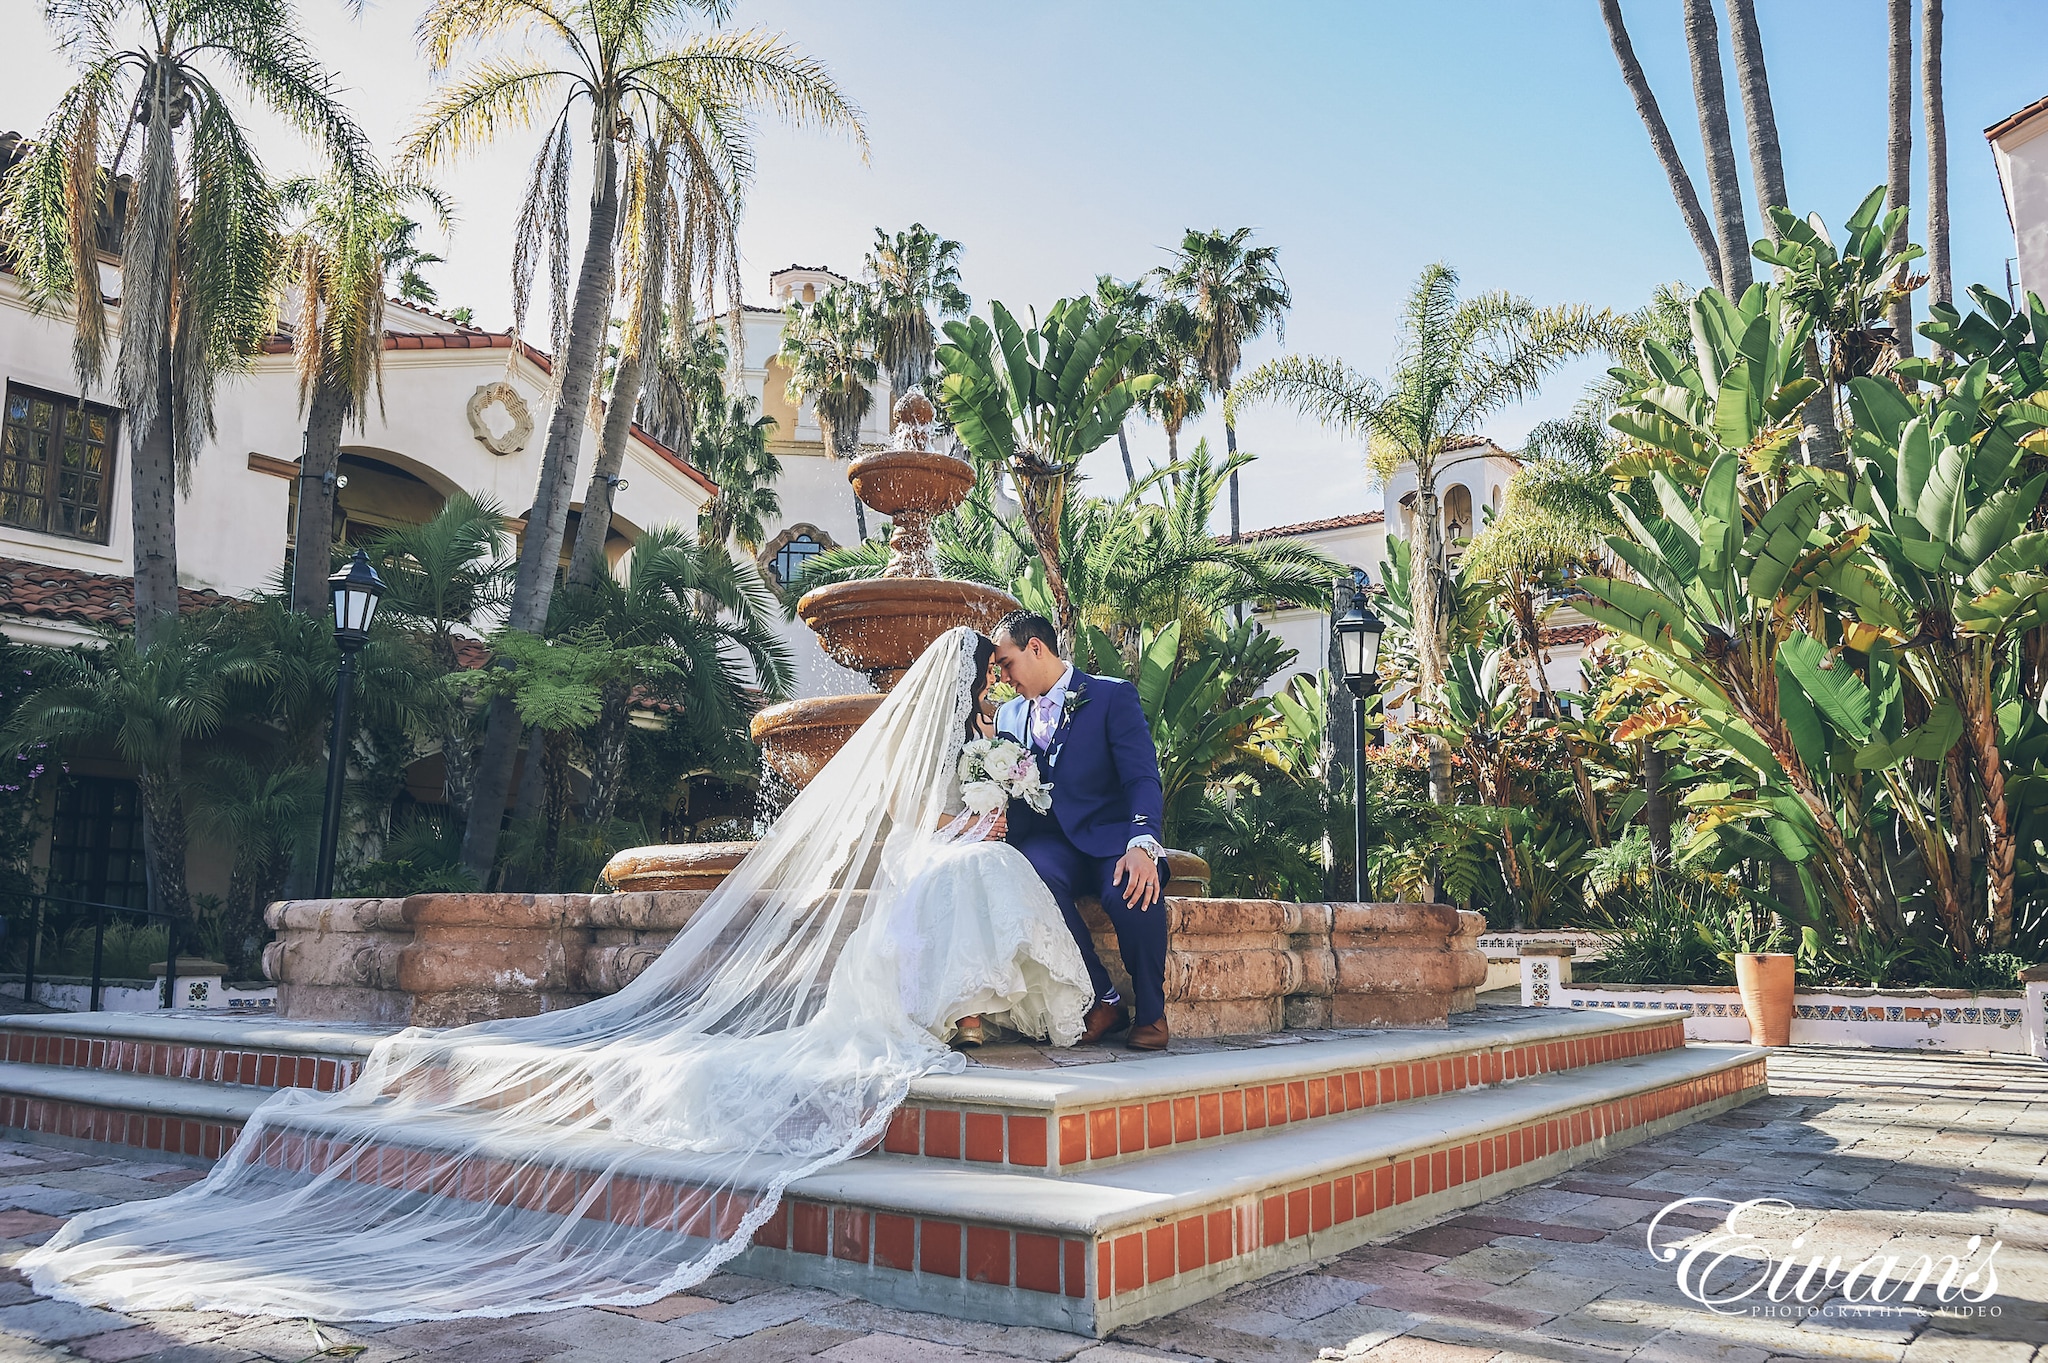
pixel 1809 735
pixel 1833 686
pixel 1658 430
pixel 2026 553
pixel 1734 421
pixel 1992 526
pixel 1780 538
pixel 1879 407
pixel 1632 608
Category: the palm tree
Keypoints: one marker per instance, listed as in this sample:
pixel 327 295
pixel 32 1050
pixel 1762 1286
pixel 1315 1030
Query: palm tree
pixel 1530 545
pixel 830 348
pixel 263 804
pixel 1645 98
pixel 1940 286
pixel 1898 147
pixel 704 611
pixel 1134 306
pixel 445 580
pixel 684 188
pixel 687 374
pixel 1457 363
pixel 1235 291
pixel 1724 186
pixel 1130 565
pixel 634 67
pixel 199 236
pixel 911 276
pixel 333 272
pixel 1173 341
pixel 1766 163
pixel 732 450
pixel 146 707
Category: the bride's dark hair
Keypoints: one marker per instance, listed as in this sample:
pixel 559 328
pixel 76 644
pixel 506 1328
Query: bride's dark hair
pixel 984 650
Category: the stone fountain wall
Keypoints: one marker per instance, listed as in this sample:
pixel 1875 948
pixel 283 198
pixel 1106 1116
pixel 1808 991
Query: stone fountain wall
pixel 1236 967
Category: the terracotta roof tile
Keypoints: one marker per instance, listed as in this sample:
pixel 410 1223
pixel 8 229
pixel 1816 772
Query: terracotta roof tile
pixel 1564 636
pixel 2011 121
pixel 1311 527
pixel 43 592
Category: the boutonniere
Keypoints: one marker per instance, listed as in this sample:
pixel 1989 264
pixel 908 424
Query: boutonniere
pixel 1074 701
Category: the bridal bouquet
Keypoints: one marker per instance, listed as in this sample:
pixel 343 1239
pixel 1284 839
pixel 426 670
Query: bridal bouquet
pixel 995 771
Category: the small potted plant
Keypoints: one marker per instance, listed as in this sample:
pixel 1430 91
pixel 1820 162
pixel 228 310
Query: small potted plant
pixel 1754 942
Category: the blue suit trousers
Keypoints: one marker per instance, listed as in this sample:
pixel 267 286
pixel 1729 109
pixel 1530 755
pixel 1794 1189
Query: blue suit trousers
pixel 1140 934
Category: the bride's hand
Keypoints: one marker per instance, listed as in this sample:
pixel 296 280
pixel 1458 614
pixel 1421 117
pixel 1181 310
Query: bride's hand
pixel 1000 829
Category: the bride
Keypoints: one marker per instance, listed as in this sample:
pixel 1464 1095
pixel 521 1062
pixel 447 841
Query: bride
pixel 620 1151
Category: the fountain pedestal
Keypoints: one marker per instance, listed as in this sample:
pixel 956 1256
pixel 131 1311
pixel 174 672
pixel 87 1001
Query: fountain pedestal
pixel 881 625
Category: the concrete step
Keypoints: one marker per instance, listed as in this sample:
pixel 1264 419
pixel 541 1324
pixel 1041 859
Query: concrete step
pixel 1082 1117
pixel 74 1106
pixel 1085 1250
pixel 1029 1236
pixel 254 1052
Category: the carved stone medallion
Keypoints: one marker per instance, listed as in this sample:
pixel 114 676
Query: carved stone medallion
pixel 514 428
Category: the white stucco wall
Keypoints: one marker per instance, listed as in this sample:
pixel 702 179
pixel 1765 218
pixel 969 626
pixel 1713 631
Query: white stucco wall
pixel 232 522
pixel 2022 157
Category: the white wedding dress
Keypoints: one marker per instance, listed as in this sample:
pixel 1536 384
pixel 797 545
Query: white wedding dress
pixel 623 1150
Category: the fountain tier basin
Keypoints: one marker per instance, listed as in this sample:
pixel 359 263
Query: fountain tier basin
pixel 798 737
pixel 896 481
pixel 880 625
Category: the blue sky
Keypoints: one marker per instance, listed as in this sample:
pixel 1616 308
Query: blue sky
pixel 1365 140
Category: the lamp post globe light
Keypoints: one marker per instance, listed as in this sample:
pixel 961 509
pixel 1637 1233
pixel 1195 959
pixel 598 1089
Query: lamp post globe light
pixel 355 591
pixel 1358 645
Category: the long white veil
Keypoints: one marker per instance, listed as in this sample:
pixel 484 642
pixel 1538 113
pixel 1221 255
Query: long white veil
pixel 480 1171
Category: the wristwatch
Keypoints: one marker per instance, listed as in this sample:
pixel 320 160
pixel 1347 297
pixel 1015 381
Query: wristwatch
pixel 1150 845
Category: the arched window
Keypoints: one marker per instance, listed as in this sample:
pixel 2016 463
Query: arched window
pixel 791 558
pixel 1458 511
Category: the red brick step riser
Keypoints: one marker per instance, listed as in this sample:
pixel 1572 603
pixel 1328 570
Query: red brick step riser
pixel 240 1067
pixel 1095 1137
pixel 1130 1272
pixel 1140 1272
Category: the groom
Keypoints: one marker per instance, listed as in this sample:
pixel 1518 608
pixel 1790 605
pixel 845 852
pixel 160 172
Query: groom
pixel 1094 747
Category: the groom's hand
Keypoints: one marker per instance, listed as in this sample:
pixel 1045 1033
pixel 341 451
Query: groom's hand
pixel 1138 876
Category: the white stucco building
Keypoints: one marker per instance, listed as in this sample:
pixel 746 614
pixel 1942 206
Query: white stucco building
pixel 2019 146
pixel 1471 482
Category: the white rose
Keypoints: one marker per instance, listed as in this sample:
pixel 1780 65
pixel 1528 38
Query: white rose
pixel 983 797
pixel 1001 760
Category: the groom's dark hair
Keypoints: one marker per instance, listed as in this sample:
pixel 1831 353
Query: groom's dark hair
pixel 1024 626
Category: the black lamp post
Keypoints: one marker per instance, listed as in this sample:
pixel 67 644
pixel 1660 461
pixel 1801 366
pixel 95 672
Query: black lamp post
pixel 355 591
pixel 1358 644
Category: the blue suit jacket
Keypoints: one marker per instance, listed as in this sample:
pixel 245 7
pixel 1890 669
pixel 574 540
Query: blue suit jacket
pixel 1103 769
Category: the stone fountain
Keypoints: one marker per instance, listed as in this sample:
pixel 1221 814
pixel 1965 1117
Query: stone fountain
pixel 1236 966
pixel 880 625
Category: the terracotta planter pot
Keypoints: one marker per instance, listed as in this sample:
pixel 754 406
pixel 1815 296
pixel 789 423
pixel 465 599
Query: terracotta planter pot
pixel 1765 981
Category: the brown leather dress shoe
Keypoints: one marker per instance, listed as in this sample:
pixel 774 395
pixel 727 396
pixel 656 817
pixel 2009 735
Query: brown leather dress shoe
pixel 1150 1037
pixel 1103 1019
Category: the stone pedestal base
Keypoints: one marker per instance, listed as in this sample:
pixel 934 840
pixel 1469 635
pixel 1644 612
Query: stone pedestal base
pixel 442 960
pixel 1239 967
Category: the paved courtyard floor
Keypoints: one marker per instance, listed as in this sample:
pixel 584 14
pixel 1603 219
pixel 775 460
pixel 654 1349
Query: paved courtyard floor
pixel 1902 1153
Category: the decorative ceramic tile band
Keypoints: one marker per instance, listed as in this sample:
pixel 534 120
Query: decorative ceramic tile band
pixel 1824 1012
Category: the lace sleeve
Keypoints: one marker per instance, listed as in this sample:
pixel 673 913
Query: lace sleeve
pixel 963 704
pixel 955 803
